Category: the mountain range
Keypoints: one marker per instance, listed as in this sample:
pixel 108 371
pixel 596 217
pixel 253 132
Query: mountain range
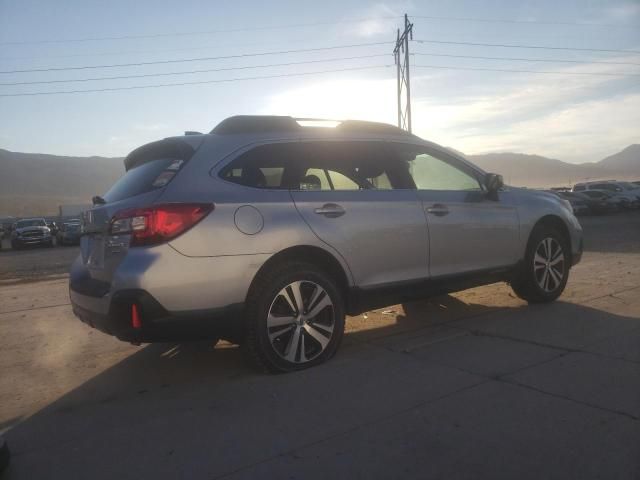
pixel 36 184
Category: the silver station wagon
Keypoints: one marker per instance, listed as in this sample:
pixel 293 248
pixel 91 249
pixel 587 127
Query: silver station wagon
pixel 267 232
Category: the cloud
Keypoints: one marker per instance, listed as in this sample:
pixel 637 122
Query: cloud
pixel 380 18
pixel 625 11
pixel 575 118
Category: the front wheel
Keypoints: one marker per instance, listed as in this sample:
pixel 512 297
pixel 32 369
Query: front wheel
pixel 545 272
pixel 295 318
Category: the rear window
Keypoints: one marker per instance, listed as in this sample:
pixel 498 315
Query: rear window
pixel 144 178
pixel 150 167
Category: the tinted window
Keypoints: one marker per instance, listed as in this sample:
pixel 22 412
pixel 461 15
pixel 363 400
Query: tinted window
pixel 594 194
pixel 143 178
pixel 579 188
pixel 34 222
pixel 606 186
pixel 318 166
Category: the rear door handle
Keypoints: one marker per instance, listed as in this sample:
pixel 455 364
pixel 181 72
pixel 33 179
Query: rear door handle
pixel 331 210
pixel 438 210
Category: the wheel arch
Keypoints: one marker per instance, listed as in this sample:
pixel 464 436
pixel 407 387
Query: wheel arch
pixel 311 254
pixel 555 222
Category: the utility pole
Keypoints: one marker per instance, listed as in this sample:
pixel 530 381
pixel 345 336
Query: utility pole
pixel 401 56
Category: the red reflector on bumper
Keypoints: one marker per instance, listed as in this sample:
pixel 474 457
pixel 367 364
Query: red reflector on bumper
pixel 135 317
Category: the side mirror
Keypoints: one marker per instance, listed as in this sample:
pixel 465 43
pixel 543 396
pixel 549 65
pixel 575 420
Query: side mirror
pixel 493 182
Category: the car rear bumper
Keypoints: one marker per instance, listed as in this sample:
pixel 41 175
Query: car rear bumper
pixel 112 314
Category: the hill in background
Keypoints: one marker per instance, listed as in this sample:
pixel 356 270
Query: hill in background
pixel 36 184
pixel 539 172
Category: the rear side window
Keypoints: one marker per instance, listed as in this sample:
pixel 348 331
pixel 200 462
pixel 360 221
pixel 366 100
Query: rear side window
pixel 323 166
pixel 149 168
pixel 579 188
pixel 606 186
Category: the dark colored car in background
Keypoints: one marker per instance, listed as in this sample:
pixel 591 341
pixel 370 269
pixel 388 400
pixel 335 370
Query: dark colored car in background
pixel 31 232
pixel 603 202
pixel 68 234
pixel 581 204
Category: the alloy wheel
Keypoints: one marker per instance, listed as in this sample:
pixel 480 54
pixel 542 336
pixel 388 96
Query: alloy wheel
pixel 300 321
pixel 549 264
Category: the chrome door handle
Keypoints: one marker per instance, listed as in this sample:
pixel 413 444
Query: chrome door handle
pixel 438 210
pixel 331 210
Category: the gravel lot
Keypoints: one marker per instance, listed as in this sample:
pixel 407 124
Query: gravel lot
pixel 35 263
pixel 471 385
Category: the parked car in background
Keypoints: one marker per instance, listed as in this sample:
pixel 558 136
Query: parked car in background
pixel 579 203
pixel 625 194
pixel 31 232
pixel 272 245
pixel 604 202
pixel 68 234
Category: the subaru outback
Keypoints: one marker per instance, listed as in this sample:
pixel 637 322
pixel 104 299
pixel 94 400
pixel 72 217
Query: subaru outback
pixel 268 233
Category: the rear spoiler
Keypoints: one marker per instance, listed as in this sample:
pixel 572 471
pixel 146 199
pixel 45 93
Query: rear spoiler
pixel 167 148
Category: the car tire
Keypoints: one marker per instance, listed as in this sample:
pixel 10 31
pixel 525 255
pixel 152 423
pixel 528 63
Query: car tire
pixel 283 336
pixel 15 246
pixel 545 272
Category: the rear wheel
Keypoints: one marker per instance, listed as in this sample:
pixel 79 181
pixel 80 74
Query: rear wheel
pixel 295 318
pixel 546 267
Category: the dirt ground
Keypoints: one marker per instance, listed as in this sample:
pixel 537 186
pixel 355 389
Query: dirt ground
pixel 471 385
pixel 34 263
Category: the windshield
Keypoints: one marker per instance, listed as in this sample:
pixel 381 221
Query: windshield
pixel 34 222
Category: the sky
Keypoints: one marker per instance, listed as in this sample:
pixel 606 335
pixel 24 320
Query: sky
pixel 571 114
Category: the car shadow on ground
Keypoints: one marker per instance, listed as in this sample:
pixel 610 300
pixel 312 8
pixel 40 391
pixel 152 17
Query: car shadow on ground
pixel 164 394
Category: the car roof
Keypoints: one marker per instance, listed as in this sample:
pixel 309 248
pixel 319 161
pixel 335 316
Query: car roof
pixel 248 129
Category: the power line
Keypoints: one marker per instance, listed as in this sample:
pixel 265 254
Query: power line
pixel 200 59
pixel 304 25
pixel 137 87
pixel 207 47
pixel 528 46
pixel 201 32
pixel 525 59
pixel 189 72
pixel 529 71
pixel 521 22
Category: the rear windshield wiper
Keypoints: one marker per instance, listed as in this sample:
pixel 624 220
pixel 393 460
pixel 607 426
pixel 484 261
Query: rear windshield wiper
pixel 98 200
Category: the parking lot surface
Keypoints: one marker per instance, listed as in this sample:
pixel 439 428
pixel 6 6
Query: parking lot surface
pixel 471 385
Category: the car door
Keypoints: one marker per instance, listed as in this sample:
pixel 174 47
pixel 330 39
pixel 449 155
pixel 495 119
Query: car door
pixel 346 192
pixel 468 230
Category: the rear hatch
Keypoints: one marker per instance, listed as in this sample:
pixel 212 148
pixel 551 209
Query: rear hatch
pixel 149 169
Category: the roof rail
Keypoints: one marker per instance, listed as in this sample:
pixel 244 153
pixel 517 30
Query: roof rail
pixel 274 123
pixel 255 124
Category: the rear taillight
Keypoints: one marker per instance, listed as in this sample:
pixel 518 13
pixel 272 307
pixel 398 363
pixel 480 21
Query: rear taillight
pixel 157 224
